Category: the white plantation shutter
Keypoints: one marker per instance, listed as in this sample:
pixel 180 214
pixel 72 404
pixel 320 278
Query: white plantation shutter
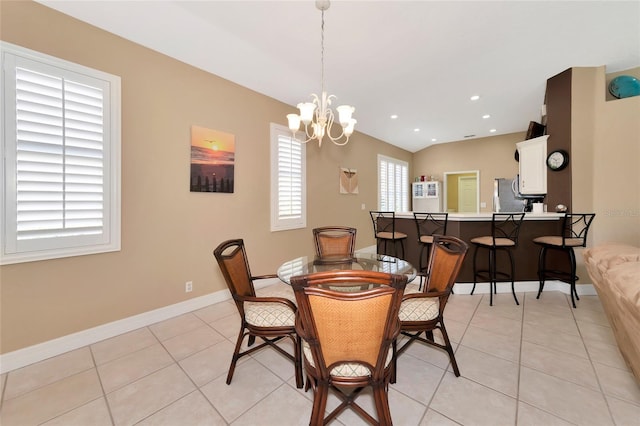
pixel 61 143
pixel 393 184
pixel 288 180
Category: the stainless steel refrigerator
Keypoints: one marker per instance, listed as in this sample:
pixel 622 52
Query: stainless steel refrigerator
pixel 506 197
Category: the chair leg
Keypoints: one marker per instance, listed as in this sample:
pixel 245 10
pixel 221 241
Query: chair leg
pixel 236 356
pixel 381 399
pixel 297 347
pixel 319 403
pixel 394 360
pixel 449 349
pixel 541 269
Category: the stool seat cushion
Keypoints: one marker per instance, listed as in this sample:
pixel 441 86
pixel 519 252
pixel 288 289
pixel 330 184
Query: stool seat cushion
pixel 554 240
pixel 391 235
pixel 488 241
pixel 426 239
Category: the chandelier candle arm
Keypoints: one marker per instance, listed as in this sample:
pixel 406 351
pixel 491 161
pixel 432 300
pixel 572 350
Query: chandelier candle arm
pixel 317 115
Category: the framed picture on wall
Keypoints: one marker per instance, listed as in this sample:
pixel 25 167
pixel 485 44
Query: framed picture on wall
pixel 348 181
pixel 212 160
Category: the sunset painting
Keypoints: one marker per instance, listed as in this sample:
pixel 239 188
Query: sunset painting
pixel 212 160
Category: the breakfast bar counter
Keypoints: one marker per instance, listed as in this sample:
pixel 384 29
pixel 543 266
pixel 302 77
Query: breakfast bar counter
pixel 469 225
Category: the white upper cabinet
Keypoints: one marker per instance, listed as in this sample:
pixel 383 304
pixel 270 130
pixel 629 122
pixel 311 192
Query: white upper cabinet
pixel 533 171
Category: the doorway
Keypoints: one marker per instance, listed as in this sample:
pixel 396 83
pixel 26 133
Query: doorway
pixel 467 199
pixel 461 191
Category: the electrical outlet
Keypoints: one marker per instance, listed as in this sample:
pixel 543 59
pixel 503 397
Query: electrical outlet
pixel 188 287
pixel 483 204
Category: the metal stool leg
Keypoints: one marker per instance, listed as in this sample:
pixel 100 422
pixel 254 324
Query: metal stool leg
pixel 492 275
pixel 572 258
pixel 513 274
pixel 475 255
pixel 541 269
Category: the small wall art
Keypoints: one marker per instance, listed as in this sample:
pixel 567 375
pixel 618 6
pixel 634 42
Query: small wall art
pixel 348 180
pixel 212 160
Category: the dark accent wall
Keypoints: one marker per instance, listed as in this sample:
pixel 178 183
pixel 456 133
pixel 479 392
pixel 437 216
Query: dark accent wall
pixel 558 101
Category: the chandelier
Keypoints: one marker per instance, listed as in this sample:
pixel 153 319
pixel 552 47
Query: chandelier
pixel 317 116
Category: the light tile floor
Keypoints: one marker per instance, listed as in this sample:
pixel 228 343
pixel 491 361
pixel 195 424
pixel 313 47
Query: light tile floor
pixel 540 363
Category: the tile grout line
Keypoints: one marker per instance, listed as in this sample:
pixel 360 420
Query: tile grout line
pixel 428 404
pixel 593 368
pixel 104 394
pixel 524 307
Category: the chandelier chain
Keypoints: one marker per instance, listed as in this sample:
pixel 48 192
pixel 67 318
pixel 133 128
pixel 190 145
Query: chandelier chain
pixel 317 115
pixel 322 52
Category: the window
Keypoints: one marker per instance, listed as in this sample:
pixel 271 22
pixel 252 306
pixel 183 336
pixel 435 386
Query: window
pixel 61 144
pixel 288 180
pixel 393 184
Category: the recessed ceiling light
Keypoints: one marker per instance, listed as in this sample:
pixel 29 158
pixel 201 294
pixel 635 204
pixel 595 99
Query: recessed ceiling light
pixel 394 116
pixel 416 130
pixel 433 139
pixel 486 116
pixel 475 97
pixel 492 131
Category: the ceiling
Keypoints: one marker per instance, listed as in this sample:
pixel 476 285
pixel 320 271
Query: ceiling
pixel 420 60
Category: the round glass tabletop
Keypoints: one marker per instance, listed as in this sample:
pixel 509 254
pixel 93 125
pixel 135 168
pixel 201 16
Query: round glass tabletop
pixel 362 262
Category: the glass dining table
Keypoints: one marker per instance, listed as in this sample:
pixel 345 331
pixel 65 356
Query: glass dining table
pixel 361 261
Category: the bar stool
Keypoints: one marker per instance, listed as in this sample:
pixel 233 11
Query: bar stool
pixel 575 227
pixel 384 229
pixel 505 228
pixel 428 225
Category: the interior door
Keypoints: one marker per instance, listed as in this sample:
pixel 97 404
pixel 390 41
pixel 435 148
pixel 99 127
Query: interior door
pixel 467 194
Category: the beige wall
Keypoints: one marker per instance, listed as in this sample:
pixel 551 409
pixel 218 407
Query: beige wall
pixel 168 233
pixel 605 147
pixel 492 156
pixel 609 176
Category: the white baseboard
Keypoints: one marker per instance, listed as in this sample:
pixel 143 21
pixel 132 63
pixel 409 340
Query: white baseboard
pixel 525 286
pixel 32 354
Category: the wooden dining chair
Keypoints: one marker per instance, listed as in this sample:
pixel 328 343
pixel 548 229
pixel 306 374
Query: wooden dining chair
pixel 347 338
pixel 422 311
pixel 269 318
pixel 335 241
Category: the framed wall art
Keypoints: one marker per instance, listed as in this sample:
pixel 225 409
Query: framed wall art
pixel 348 181
pixel 212 160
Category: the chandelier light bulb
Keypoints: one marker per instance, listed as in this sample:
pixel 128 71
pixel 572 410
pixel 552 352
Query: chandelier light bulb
pixel 344 114
pixel 294 122
pixel 306 112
